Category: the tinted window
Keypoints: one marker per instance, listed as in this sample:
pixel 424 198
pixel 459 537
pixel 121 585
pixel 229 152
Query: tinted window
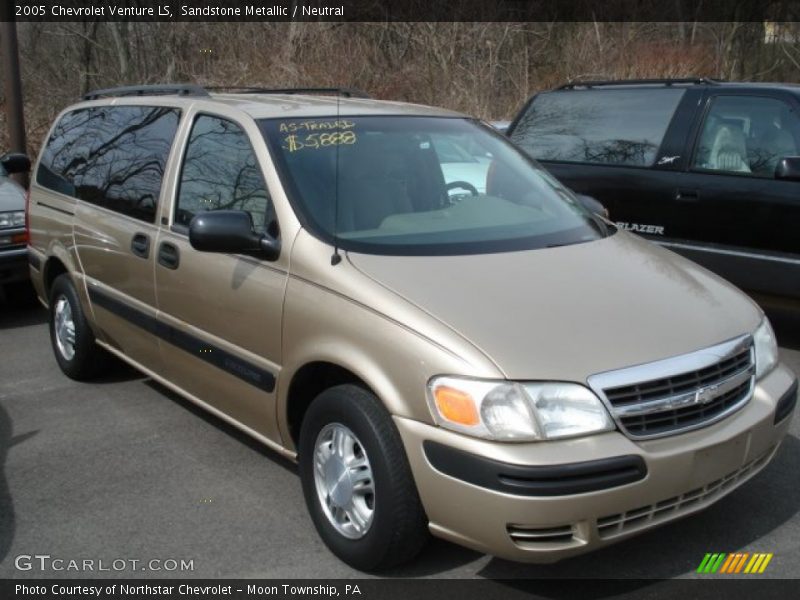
pixel 747 135
pixel 615 127
pixel 112 156
pixel 384 185
pixel 220 171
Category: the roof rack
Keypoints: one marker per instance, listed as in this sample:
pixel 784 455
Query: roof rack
pixel 346 92
pixel 192 89
pixel 180 89
pixel 666 82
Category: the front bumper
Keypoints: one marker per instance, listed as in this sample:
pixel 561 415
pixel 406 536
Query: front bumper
pixel 682 474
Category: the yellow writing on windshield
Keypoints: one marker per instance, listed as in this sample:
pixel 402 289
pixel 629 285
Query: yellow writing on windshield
pixel 295 126
pixel 314 141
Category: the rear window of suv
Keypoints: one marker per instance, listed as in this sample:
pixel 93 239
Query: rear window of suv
pixel 612 127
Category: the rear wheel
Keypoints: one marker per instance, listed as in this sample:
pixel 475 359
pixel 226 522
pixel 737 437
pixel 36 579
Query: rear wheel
pixel 70 334
pixel 357 481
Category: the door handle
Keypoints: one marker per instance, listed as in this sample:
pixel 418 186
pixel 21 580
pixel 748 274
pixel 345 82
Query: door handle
pixel 140 245
pixel 168 255
pixel 683 195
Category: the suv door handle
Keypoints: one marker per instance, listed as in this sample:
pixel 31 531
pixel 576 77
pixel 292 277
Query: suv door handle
pixel 140 245
pixel 168 255
pixel 687 195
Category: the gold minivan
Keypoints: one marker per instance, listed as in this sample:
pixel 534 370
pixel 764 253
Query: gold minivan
pixel 396 297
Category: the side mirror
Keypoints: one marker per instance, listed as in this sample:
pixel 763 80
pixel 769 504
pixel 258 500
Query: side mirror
pixel 231 232
pixel 592 205
pixel 15 162
pixel 788 168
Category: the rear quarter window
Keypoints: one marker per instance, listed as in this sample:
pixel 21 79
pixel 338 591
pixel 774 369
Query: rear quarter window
pixel 612 127
pixel 111 156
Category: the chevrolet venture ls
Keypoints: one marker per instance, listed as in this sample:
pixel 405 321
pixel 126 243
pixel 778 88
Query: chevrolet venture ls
pixel 499 367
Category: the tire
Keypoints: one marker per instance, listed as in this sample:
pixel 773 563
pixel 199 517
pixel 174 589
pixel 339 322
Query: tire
pixel 398 528
pixel 87 359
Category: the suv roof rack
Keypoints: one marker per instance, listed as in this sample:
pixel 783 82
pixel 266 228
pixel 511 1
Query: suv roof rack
pixel 180 89
pixel 666 82
pixel 192 89
pixel 343 91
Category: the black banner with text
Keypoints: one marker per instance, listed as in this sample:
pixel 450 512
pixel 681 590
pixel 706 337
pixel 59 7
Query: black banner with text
pixel 742 588
pixel 402 10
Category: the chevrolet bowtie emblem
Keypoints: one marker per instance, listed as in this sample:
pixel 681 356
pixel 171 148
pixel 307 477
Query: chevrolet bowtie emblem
pixel 706 394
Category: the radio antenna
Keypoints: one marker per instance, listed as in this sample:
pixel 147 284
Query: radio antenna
pixel 336 258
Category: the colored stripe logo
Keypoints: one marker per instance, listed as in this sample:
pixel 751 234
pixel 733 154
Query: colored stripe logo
pixel 735 563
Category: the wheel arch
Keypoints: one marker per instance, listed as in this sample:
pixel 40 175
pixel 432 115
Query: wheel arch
pixel 53 267
pixel 306 383
pixel 58 260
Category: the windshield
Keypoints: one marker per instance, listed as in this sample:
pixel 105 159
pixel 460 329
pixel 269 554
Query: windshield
pixel 421 185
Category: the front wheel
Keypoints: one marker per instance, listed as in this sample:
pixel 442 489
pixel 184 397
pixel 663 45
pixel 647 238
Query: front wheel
pixel 357 481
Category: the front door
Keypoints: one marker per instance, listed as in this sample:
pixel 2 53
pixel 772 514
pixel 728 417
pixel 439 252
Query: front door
pixel 220 314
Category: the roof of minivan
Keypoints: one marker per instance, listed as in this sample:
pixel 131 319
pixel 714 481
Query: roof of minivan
pixel 262 106
pixel 270 106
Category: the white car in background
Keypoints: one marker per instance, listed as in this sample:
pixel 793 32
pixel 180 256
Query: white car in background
pixel 463 164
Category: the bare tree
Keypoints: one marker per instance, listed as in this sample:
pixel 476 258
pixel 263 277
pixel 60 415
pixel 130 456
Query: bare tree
pixel 482 68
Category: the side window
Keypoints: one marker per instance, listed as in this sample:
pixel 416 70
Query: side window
pixel 220 171
pixel 112 156
pixel 613 127
pixel 62 151
pixel 747 135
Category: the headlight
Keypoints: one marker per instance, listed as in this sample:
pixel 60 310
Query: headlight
pixel 766 348
pixel 516 412
pixel 9 220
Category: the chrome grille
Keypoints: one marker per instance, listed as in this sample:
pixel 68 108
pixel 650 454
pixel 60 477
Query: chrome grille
pixel 681 393
pixel 669 420
pixel 685 382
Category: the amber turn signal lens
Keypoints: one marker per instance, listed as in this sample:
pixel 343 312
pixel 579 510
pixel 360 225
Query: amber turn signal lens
pixel 456 406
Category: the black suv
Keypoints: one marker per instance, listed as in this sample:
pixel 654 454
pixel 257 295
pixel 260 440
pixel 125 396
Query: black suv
pixel 707 168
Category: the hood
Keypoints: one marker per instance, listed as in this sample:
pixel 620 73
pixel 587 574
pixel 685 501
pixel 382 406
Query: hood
pixel 12 195
pixel 568 312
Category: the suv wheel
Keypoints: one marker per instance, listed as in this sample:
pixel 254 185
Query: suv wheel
pixel 357 482
pixel 72 338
